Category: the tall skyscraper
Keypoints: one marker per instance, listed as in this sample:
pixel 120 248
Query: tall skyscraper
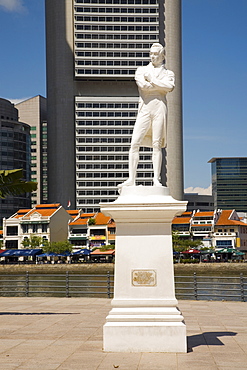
pixel 229 183
pixel 93 50
pixel 33 112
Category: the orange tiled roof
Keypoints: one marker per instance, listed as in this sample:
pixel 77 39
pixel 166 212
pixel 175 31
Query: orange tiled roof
pixel 224 219
pixel 101 219
pixel 204 214
pixel 21 213
pixel 181 220
pixel 98 251
pixel 82 220
pixel 73 212
pixel 45 206
pixel 44 210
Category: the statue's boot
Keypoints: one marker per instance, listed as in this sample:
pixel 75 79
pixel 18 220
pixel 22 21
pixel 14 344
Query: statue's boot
pixel 133 162
pixel 157 161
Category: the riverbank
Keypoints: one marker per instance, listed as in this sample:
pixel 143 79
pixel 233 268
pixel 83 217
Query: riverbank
pixel 206 269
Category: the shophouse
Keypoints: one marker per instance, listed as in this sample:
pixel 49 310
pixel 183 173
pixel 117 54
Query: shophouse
pixel 78 230
pixel 49 221
pixel 230 231
pixel 202 224
pixel 182 224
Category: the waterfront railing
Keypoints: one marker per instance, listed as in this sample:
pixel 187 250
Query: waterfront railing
pixel 80 285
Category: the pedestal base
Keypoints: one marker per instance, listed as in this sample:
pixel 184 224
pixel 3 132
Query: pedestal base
pixel 144 317
pixel 145 337
pixel 145 329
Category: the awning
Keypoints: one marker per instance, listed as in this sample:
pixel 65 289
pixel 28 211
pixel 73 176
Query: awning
pixel 20 252
pixel 83 251
pixel 191 251
pixel 226 250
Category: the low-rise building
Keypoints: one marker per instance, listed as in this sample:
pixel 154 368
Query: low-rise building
pixel 78 230
pixel 219 229
pixel 98 230
pixel 182 224
pixel 230 231
pixel 49 221
pixel 202 224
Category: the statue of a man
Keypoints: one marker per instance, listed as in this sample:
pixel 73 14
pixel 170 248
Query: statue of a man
pixel 154 81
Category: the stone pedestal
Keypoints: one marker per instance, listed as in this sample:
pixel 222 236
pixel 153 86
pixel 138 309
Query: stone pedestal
pixel 144 315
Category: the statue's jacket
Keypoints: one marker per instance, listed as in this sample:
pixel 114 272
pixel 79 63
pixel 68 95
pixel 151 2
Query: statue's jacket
pixel 162 82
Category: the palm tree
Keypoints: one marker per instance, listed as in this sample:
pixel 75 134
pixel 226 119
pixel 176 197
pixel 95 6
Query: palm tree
pixel 11 183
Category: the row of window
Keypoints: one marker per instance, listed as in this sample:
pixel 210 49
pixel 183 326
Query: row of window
pixel 107 105
pixel 102 149
pixel 107 184
pixel 34 228
pixel 103 140
pixel 86 72
pixel 110 36
pixel 106 114
pixel 104 45
pixel 135 63
pixel 79 18
pixel 96 192
pixel 110 54
pixel 141 2
pixel 116 166
pixel 104 132
pixel 105 123
pixel 83 175
pixel 91 201
pixel 113 157
pixel 128 28
pixel 125 10
pixel 101 175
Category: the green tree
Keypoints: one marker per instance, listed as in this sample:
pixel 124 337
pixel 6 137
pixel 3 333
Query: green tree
pixel 107 247
pixel 11 183
pixel 57 247
pixel 91 221
pixel 34 241
pixel 180 244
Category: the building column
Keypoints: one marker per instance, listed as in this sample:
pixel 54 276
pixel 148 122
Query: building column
pixel 173 46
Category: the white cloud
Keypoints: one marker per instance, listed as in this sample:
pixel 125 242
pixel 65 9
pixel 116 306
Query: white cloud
pixel 198 190
pixel 16 101
pixel 13 5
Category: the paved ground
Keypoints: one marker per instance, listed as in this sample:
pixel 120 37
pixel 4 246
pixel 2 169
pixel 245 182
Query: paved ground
pixel 66 334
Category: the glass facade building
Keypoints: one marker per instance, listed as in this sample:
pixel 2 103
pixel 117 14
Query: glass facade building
pixel 229 183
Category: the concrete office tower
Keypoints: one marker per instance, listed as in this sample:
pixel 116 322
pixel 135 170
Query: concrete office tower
pixel 33 112
pixel 14 154
pixel 93 50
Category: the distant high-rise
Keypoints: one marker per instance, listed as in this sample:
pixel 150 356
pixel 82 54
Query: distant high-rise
pixel 229 183
pixel 14 154
pixel 33 112
pixel 93 50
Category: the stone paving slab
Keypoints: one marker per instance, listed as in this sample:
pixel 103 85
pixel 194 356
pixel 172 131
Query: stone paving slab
pixel 66 334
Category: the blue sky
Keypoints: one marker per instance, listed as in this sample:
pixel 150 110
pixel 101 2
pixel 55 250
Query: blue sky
pixel 214 74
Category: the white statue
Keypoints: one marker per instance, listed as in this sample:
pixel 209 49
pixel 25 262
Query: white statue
pixel 154 81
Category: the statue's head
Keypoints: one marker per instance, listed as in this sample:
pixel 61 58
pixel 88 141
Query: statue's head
pixel 157 54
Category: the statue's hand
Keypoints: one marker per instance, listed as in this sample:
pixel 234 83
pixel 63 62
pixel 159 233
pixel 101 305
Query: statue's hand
pixel 147 77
